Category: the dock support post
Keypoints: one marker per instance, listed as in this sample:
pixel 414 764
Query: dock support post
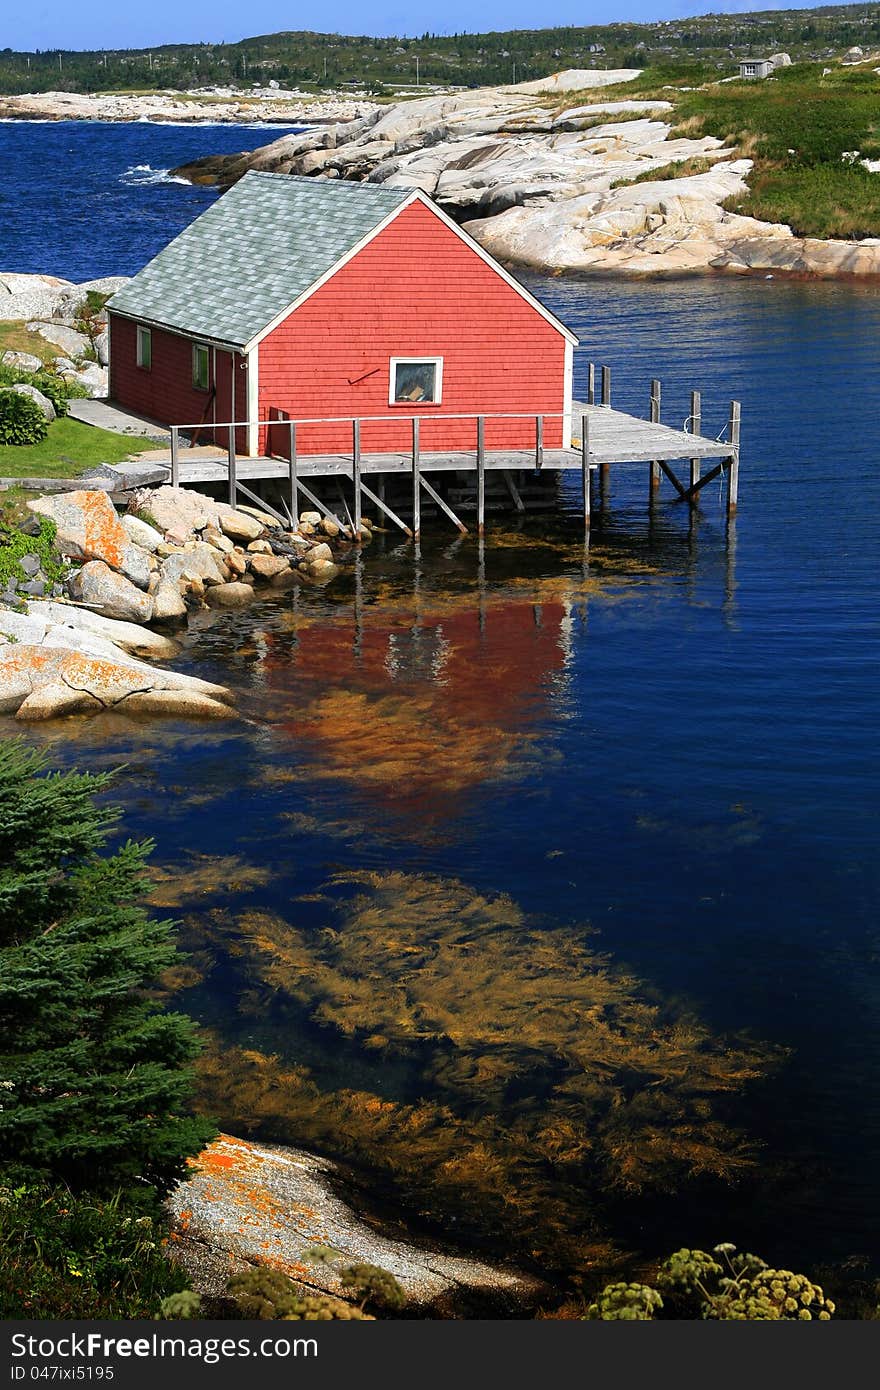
pixel 233 481
pixel 733 466
pixel 605 468
pixel 356 474
pixel 585 467
pixel 591 384
pixel 417 490
pixel 175 456
pixel 606 386
pixel 655 420
pixel 539 442
pixel 294 489
pixel 696 426
pixel 481 474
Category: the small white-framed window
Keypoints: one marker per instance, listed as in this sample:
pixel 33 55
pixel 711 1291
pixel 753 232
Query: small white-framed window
pixel 201 367
pixel 144 347
pixel 416 381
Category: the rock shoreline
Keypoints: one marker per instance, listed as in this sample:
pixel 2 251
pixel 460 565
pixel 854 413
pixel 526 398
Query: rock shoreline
pixel 179 108
pixel 74 645
pixel 531 175
pixel 265 1205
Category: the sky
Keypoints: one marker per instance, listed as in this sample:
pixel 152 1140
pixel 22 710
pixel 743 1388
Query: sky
pixel 102 24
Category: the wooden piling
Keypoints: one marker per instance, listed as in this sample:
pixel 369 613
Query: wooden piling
pixel 696 424
pixel 655 420
pixel 233 481
pixel 175 456
pixel 591 384
pixel 481 475
pixel 733 467
pixel 606 386
pixel 539 442
pixel 294 489
pixel 356 474
pixel 585 467
pixel 417 490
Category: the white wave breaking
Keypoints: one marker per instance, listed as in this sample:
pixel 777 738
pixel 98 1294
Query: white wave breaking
pixel 140 175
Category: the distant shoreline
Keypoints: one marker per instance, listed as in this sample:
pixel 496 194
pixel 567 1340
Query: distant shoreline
pixel 184 108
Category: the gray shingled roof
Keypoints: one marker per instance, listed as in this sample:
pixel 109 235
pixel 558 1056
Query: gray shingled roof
pixel 256 250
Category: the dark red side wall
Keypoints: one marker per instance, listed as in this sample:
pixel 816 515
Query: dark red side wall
pixel 416 289
pixel 165 392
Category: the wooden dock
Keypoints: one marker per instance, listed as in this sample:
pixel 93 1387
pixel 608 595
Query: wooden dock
pixel 601 438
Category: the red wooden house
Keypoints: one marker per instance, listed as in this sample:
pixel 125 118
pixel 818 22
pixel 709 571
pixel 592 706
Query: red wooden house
pixel 317 299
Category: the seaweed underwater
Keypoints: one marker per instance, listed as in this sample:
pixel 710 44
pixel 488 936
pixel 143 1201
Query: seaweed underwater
pixel 498 1074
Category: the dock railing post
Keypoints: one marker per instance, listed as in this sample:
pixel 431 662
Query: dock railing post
pixel 356 474
pixel 175 456
pixel 733 466
pixel 416 481
pixel 591 384
pixel 233 481
pixel 606 386
pixel 539 442
pixel 481 474
pixel 294 489
pixel 655 420
pixel 696 426
pixel 585 466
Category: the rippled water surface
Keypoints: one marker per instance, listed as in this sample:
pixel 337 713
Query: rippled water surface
pixel 540 883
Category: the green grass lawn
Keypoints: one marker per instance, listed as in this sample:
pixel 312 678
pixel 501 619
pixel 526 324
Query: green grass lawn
pixel 68 450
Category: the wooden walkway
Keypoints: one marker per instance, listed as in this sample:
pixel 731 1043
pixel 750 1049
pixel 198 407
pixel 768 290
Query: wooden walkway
pixel 601 437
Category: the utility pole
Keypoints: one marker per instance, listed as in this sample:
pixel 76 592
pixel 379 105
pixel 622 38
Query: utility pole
pixel 514 72
pixel 418 80
pixel 325 67
pixel 60 68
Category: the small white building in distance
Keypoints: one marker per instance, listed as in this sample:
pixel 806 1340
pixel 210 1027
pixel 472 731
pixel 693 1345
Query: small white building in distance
pixel 763 67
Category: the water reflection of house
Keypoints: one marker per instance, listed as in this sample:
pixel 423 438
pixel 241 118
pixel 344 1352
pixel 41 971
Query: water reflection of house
pixel 422 696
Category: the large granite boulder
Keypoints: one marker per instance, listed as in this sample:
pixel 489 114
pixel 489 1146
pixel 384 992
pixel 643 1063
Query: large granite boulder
pixel 112 594
pixel 71 342
pixel 251 1204
pixel 89 529
pixel 53 663
pixel 42 297
pixel 45 405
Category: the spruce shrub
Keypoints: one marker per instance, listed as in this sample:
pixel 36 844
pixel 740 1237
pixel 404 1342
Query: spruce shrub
pixel 95 1077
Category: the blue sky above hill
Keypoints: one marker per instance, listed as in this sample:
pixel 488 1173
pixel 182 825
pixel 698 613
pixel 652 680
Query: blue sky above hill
pixel 50 24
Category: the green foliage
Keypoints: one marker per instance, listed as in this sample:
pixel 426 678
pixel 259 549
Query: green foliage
pixel 373 1286
pixel 16 544
pixel 268 1294
pixel 50 383
pixel 21 420
pixel 67 1255
pixel 180 1307
pixel 625 1303
pixel 722 1286
pixel 96 1076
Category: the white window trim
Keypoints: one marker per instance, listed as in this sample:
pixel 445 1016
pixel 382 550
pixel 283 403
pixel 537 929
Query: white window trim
pixel 412 362
pixel 144 333
pixel 197 348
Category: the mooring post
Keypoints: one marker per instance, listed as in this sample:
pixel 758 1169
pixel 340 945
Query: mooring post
pixel 294 489
pixel 655 420
pixel 696 426
pixel 733 467
pixel 233 481
pixel 585 466
pixel 481 474
pixel 356 474
pixel 417 489
pixel 175 456
pixel 591 384
pixel 539 442
pixel 606 386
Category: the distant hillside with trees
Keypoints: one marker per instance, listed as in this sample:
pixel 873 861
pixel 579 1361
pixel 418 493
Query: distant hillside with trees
pixel 319 61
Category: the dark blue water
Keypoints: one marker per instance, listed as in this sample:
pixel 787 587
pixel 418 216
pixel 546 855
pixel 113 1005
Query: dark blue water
pixel 671 737
pixel 86 199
